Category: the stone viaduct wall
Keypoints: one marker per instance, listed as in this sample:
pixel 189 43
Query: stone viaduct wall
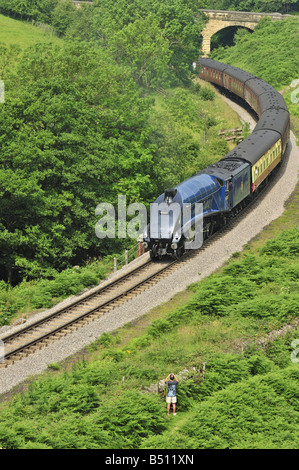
pixel 219 19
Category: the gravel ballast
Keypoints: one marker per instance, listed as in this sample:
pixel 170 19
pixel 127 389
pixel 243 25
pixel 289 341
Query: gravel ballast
pixel 267 208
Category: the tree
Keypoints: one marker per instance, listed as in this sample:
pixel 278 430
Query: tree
pixel 63 16
pixel 142 47
pixel 72 123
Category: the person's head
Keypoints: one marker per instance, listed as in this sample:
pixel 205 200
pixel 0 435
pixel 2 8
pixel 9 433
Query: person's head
pixel 171 376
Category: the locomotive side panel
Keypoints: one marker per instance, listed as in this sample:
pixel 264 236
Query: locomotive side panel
pixel 266 164
pixel 241 185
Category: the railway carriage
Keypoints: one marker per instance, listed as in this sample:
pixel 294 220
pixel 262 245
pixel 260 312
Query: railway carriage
pixel 263 151
pixel 276 120
pixel 234 80
pixel 227 185
pixel 212 71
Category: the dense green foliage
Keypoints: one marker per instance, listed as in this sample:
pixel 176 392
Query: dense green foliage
pixel 60 13
pixel 247 399
pixel 281 6
pixel 63 146
pixel 76 131
pixel 57 13
pixel 118 25
pixel 261 52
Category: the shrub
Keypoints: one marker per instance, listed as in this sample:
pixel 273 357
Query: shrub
pixel 136 416
pixel 207 93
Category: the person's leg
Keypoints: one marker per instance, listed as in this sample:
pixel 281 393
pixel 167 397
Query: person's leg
pixel 174 405
pixel 168 404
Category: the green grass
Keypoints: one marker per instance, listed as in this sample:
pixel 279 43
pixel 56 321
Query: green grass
pixel 269 52
pixel 24 34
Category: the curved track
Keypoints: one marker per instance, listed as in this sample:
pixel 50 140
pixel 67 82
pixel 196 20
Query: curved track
pixel 38 334
pixel 28 339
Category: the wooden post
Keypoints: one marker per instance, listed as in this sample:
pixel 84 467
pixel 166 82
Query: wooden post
pixel 115 264
pixel 126 257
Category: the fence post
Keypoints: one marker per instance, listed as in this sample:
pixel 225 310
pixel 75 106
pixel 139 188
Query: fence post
pixel 1 352
pixel 115 264
pixel 140 249
pixel 126 257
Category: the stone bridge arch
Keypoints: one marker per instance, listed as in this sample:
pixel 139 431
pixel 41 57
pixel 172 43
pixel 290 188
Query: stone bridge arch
pixel 219 19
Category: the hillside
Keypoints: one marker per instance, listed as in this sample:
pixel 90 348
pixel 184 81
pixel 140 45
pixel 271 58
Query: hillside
pixel 232 321
pixel 22 34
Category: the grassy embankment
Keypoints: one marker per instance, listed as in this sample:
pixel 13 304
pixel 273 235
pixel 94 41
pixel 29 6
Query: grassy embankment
pixel 248 397
pixel 23 34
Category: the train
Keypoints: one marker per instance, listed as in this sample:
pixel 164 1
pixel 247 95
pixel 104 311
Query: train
pixel 223 188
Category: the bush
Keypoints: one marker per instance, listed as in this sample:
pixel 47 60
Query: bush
pixel 44 293
pixel 207 94
pixel 136 416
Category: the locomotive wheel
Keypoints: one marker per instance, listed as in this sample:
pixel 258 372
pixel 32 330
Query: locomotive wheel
pixel 209 231
pixel 179 252
pixel 153 253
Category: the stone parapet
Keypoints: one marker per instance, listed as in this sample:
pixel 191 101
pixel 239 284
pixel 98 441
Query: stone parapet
pixel 220 19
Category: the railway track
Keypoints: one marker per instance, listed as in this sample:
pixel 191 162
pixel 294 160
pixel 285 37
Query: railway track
pixel 44 331
pixel 40 333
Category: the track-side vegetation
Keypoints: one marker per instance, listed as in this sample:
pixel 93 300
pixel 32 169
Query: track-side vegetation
pixel 246 399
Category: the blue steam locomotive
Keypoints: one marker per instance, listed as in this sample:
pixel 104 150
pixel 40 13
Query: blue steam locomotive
pixel 217 193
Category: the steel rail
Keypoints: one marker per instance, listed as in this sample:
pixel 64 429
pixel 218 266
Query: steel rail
pixel 71 322
pixel 73 304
